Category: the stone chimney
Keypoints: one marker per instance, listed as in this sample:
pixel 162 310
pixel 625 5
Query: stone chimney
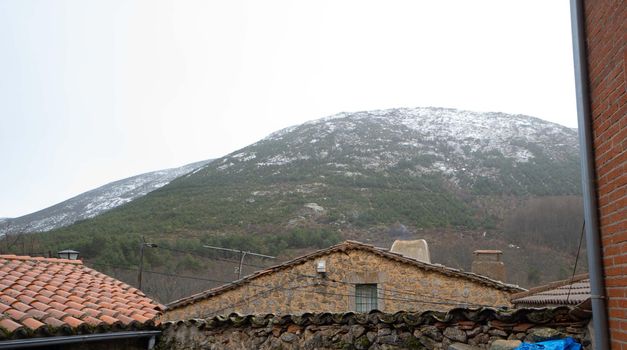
pixel 416 249
pixel 488 263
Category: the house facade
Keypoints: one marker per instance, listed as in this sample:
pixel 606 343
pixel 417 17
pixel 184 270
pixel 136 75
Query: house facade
pixel 350 276
pixel 602 105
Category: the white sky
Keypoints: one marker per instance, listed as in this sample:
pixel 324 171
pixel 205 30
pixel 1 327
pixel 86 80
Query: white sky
pixel 95 91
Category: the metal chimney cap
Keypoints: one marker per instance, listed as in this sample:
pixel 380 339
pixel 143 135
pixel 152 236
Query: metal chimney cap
pixel 68 254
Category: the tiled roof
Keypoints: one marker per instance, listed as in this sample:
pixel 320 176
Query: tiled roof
pixel 567 292
pixel 48 297
pixel 343 247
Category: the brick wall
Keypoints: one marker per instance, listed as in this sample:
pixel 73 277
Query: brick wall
pixel 605 23
pixel 403 286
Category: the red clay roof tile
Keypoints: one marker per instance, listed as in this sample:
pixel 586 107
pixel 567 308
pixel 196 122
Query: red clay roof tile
pixel 15 314
pixel 43 299
pixel 32 323
pixel 92 321
pixel 75 305
pixel 40 306
pixel 108 319
pixel 56 313
pixel 10 325
pixel 73 322
pixel 125 319
pixel 75 313
pixel 21 306
pixel 36 314
pixel 64 294
pixel 54 322
pixel 140 318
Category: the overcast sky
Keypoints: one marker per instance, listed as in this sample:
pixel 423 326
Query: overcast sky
pixel 95 91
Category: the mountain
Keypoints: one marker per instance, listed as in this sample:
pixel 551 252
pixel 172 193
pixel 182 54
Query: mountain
pixel 462 180
pixel 94 202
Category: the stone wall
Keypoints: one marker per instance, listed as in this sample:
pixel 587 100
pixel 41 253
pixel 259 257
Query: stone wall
pixel 461 329
pixel 298 289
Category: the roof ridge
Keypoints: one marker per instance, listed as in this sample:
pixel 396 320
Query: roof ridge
pixel 40 258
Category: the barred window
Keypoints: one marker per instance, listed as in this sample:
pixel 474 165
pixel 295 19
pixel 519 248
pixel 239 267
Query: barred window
pixel 365 297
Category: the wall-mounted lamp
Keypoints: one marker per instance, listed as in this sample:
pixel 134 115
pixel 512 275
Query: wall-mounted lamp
pixel 321 266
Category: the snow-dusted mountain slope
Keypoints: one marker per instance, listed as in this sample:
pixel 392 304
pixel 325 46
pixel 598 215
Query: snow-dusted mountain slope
pixel 95 202
pixel 425 167
pixel 482 153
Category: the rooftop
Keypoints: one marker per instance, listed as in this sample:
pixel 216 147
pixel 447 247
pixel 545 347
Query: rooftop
pixel 572 291
pixel 49 297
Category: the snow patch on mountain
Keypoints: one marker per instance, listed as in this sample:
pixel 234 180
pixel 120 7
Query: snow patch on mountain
pixel 97 201
pixel 466 147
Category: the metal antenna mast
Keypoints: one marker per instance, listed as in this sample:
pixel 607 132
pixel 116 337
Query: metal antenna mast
pixel 242 253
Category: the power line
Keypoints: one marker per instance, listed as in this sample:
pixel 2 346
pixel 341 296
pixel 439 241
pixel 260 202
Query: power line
pixel 163 273
pixel 208 257
pixel 570 286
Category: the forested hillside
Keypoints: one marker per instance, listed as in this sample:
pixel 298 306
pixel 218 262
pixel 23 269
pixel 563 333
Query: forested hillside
pixel 463 180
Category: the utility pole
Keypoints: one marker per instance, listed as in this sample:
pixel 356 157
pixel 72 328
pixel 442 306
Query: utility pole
pixel 141 260
pixel 242 253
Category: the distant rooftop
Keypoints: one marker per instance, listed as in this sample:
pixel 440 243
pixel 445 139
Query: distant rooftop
pixel 566 292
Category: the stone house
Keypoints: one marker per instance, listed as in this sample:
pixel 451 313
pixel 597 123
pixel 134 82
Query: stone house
pixel 350 276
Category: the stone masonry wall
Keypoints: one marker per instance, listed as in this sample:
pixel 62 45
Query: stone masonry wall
pixel 459 329
pixel 298 289
pixel 607 72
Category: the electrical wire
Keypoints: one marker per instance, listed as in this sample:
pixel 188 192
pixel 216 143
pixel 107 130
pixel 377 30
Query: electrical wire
pixel 570 286
pixel 207 257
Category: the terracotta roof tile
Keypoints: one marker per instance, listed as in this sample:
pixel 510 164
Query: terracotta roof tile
pixel 54 322
pixel 76 313
pixel 36 314
pixel 92 321
pixel 21 306
pixel 25 298
pixel 6 299
pixel 58 306
pixel 43 299
pixel 140 318
pixel 10 325
pixel 75 305
pixel 73 322
pixel 108 319
pixel 125 319
pixel 15 314
pixel 111 313
pixel 32 323
pixel 46 296
pixel 56 313
pixel 566 292
pixel 92 312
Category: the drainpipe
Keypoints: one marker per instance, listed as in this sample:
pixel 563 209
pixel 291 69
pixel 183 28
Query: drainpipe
pixel 595 262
